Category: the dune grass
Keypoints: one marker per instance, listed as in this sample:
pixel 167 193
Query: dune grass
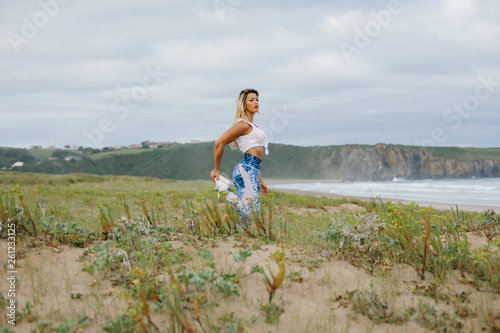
pixel 152 255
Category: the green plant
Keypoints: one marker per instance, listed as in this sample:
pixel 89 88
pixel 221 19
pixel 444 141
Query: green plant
pixel 435 318
pixel 265 228
pixel 226 285
pixel 242 255
pixel 212 218
pixel 124 323
pixel 199 279
pixel 43 324
pixel 74 234
pixel 172 297
pixel 272 312
pixel 208 256
pixel 8 208
pixel 106 220
pixel 31 226
pixel 83 319
pixel 232 323
pixel 368 304
pixel 66 326
pixel 295 276
pixel 223 283
pixel 26 221
pixel 272 281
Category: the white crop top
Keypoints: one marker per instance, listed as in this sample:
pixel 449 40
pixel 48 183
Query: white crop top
pixel 256 138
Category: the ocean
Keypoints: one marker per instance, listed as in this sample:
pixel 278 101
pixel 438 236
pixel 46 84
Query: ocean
pixel 476 191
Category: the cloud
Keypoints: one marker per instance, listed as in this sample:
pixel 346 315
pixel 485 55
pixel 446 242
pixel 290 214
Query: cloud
pixel 85 63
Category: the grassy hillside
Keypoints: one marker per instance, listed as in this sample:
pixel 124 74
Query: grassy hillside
pixel 195 161
pixel 9 156
pixel 41 154
pixel 467 154
pixel 99 156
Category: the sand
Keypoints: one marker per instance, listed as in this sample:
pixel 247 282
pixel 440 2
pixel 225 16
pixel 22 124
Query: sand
pixel 52 279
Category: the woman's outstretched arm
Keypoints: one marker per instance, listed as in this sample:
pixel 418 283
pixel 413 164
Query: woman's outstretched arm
pixel 237 130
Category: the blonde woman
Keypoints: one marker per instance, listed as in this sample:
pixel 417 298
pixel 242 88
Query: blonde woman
pixel 253 142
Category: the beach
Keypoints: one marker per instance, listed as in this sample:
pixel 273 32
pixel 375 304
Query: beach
pixel 441 206
pixel 89 251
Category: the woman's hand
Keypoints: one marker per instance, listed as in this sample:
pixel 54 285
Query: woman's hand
pixel 214 175
pixel 263 186
pixel 263 189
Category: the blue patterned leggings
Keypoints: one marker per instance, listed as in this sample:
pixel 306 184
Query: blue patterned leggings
pixel 246 181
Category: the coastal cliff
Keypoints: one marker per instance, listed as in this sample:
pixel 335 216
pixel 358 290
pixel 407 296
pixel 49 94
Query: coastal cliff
pixel 386 162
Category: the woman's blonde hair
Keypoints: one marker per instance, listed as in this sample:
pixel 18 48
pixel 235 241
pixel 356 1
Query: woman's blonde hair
pixel 240 108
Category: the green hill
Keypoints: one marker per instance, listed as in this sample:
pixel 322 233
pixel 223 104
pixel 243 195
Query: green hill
pixel 347 162
pixel 9 156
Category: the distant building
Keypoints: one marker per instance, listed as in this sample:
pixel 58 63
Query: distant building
pixel 51 147
pixel 151 144
pixel 36 147
pixel 163 144
pixel 52 158
pixel 195 141
pixel 18 164
pixel 71 158
pixel 118 146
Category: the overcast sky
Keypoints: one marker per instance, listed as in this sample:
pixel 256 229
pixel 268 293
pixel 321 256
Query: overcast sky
pixel 105 72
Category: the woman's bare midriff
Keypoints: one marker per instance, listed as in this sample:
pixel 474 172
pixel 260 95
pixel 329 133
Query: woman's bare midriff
pixel 256 151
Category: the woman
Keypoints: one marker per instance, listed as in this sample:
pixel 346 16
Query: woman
pixel 253 142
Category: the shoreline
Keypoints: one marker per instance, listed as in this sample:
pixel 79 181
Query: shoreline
pixel 436 205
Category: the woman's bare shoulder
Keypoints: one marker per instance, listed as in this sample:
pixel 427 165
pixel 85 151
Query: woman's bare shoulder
pixel 242 125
